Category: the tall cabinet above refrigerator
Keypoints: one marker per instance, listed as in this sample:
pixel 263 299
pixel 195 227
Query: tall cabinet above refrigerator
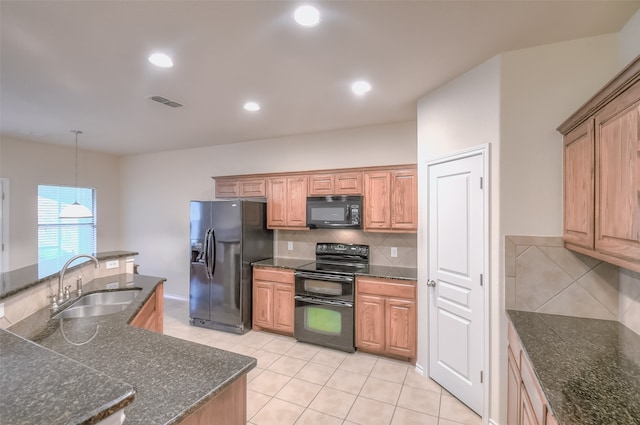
pixel 226 237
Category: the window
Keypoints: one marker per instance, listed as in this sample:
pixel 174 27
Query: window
pixel 60 239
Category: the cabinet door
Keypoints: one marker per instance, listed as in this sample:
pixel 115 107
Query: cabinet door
pixel 400 327
pixel 227 188
pixel 404 200
pixel 277 202
pixel 513 390
pixel 283 308
pixel 579 186
pixel 252 187
pixel 617 128
pixel 370 322
pixel 348 184
pixel 320 184
pixel 527 416
pixel 377 188
pixel 263 304
pixel 297 201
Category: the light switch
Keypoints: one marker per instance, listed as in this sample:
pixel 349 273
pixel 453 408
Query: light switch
pixel 290 246
pixel 394 251
pixel 1 310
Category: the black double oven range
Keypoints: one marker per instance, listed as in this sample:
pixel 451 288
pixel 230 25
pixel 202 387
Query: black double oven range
pixel 325 295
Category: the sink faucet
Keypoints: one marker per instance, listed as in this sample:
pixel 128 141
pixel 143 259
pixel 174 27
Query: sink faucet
pixel 61 292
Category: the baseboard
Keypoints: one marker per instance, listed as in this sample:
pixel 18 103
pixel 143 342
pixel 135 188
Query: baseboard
pixel 175 297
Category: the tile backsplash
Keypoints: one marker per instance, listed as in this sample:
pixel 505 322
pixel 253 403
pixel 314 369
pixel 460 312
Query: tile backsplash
pixel 380 244
pixel 542 276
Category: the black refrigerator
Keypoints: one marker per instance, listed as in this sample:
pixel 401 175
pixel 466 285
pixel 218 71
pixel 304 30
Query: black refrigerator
pixel 226 237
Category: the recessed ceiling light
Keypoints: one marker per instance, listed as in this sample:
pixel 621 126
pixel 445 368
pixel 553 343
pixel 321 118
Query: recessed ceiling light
pixel 360 87
pixel 161 60
pixel 251 106
pixel 307 16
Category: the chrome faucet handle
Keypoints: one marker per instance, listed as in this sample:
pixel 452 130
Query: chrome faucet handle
pixel 54 300
pixel 79 285
pixel 67 293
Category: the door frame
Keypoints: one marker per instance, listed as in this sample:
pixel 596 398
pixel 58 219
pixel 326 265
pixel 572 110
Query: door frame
pixel 4 224
pixel 485 152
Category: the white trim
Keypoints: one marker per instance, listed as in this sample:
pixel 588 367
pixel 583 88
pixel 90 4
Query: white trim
pixel 485 151
pixel 4 222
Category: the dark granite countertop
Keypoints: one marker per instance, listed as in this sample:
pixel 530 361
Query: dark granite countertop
pixel 15 281
pixel 406 273
pixel 34 398
pixel 401 273
pixel 172 377
pixel 282 263
pixel 589 369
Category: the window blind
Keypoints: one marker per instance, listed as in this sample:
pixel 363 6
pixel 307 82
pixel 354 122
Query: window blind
pixel 60 239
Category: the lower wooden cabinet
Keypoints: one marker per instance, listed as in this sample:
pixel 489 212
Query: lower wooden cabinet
pixel 227 408
pixel 386 320
pixel 150 315
pixel 273 303
pixel 526 403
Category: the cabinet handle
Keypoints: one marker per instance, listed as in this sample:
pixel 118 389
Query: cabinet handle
pixel 431 283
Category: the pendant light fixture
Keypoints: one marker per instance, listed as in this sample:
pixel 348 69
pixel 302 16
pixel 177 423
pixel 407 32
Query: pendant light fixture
pixel 76 210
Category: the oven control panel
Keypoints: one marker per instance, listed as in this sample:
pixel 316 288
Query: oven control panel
pixel 325 248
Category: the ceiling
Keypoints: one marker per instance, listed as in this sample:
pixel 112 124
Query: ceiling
pixel 83 64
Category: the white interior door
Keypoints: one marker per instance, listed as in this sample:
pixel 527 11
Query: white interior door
pixel 456 261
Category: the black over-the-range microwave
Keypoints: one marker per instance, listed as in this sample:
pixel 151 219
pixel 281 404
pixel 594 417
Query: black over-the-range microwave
pixel 334 212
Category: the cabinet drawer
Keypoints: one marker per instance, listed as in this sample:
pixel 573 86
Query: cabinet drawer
pixel 274 275
pixel 530 383
pixel 387 287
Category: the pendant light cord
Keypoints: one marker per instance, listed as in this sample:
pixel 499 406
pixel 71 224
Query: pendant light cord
pixel 76 132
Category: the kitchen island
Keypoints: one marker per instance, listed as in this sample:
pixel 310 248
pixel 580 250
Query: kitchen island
pixel 174 381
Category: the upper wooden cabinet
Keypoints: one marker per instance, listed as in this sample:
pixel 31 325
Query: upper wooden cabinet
pixel 602 173
pixel 240 188
pixel 390 194
pixel 335 184
pixel 391 200
pixel 287 202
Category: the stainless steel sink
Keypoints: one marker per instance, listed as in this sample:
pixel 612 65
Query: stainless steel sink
pixel 99 304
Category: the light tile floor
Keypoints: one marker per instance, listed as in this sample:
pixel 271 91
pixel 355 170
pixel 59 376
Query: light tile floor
pixel 302 384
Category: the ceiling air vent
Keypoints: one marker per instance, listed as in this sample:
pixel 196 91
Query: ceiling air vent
pixel 165 101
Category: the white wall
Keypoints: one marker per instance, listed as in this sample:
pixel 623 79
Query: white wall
pixel 629 40
pixel 461 114
pixel 156 188
pixel 519 98
pixel 541 87
pixel 27 165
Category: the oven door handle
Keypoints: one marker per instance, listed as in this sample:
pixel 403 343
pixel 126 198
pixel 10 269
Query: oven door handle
pixel 323 276
pixel 312 300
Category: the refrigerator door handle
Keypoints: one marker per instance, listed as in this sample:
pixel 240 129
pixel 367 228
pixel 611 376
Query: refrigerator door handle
pixel 205 252
pixel 212 247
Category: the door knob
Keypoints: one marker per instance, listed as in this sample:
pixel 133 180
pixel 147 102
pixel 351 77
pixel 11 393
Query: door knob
pixel 431 283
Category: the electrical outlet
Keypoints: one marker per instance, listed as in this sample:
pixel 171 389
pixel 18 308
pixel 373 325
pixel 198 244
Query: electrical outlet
pixel 1 310
pixel 113 285
pixel 394 251
pixel 113 264
pixel 290 246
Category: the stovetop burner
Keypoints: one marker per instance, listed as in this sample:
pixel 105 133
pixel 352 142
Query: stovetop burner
pixel 337 258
